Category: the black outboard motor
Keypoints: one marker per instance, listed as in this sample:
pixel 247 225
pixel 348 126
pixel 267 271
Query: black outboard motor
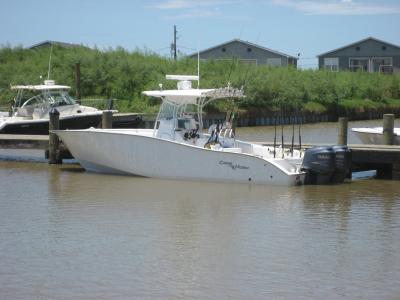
pixel 342 163
pixel 319 163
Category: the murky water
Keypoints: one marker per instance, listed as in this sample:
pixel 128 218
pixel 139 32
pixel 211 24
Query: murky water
pixel 320 133
pixel 69 234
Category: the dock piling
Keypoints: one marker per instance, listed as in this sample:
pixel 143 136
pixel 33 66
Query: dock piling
pixel 106 122
pixel 388 128
pixel 342 133
pixel 54 124
pixel 78 82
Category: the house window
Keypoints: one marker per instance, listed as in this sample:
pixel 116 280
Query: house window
pixel 331 63
pixel 382 65
pixel 243 61
pixel 223 49
pixel 248 49
pixel 383 48
pixel 248 61
pixel 359 64
pixel 274 62
pixel 358 48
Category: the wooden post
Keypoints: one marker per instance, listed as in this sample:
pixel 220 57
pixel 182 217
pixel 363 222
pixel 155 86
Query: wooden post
pixel 388 127
pixel 107 119
pixel 342 133
pixel 110 104
pixel 78 82
pixel 54 124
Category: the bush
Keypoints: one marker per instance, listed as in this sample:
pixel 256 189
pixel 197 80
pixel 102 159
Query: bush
pixel 123 75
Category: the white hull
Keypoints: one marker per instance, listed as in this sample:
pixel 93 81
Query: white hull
pixel 137 152
pixel 375 135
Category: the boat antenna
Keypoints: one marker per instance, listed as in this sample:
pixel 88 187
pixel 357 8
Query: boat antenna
pixel 48 71
pixel 198 69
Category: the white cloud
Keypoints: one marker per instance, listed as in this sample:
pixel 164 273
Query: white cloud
pixel 185 4
pixel 187 9
pixel 341 7
pixel 192 14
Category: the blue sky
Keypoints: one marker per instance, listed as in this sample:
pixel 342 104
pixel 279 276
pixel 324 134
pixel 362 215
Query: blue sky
pixel 308 27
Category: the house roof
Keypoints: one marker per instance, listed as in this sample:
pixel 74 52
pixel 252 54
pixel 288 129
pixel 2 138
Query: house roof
pixel 358 42
pixel 48 42
pixel 247 43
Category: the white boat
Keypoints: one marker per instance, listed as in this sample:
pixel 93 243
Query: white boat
pixel 375 135
pixel 33 103
pixel 176 148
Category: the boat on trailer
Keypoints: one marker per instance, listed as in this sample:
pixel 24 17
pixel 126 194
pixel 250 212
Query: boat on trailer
pixel 176 147
pixel 32 104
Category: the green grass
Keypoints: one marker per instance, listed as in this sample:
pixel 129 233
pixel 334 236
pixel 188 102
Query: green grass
pixel 123 75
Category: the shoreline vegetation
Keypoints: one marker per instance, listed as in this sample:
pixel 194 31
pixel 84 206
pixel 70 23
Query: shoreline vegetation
pixel 270 92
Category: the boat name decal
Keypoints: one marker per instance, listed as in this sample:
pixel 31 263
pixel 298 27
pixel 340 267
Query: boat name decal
pixel 232 165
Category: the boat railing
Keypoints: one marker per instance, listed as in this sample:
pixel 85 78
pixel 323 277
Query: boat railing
pixel 101 104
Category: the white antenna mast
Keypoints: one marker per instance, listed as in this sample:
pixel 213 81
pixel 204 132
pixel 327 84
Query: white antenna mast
pixel 48 72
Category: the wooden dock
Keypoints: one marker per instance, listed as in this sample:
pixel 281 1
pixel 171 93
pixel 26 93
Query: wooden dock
pixel 21 141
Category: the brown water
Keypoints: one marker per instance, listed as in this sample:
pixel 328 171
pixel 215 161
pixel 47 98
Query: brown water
pixel 69 234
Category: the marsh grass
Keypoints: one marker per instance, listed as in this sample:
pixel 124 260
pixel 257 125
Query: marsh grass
pixel 123 75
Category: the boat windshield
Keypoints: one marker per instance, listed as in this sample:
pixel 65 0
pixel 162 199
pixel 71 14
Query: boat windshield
pixel 59 98
pixel 167 111
pixel 53 98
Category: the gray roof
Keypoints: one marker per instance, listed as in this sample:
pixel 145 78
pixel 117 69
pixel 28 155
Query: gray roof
pixel 247 43
pixel 48 42
pixel 358 42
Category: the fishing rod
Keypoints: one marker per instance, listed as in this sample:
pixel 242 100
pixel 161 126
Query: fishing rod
pixel 283 145
pixel 275 136
pixel 292 146
pixel 300 135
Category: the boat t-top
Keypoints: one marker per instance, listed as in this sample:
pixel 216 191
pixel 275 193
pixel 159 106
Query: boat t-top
pixel 32 104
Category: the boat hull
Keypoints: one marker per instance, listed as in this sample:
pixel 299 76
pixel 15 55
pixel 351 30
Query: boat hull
pixel 113 151
pixel 42 126
pixel 374 135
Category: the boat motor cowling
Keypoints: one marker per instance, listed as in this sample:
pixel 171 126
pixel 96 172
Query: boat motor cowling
pixel 319 163
pixel 342 163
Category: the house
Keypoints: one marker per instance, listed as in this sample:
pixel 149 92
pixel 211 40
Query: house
pixel 368 55
pixel 54 43
pixel 248 53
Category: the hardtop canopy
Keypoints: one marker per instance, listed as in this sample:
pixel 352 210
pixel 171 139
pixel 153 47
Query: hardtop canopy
pixel 48 85
pixel 195 96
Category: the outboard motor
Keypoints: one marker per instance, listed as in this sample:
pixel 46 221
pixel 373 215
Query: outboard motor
pixel 342 163
pixel 319 163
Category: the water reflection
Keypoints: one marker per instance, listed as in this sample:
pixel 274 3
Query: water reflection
pixel 69 234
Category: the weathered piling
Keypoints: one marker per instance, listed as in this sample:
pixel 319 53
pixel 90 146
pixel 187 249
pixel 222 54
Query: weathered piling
pixel 54 124
pixel 342 132
pixel 107 118
pixel 78 82
pixel 388 128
